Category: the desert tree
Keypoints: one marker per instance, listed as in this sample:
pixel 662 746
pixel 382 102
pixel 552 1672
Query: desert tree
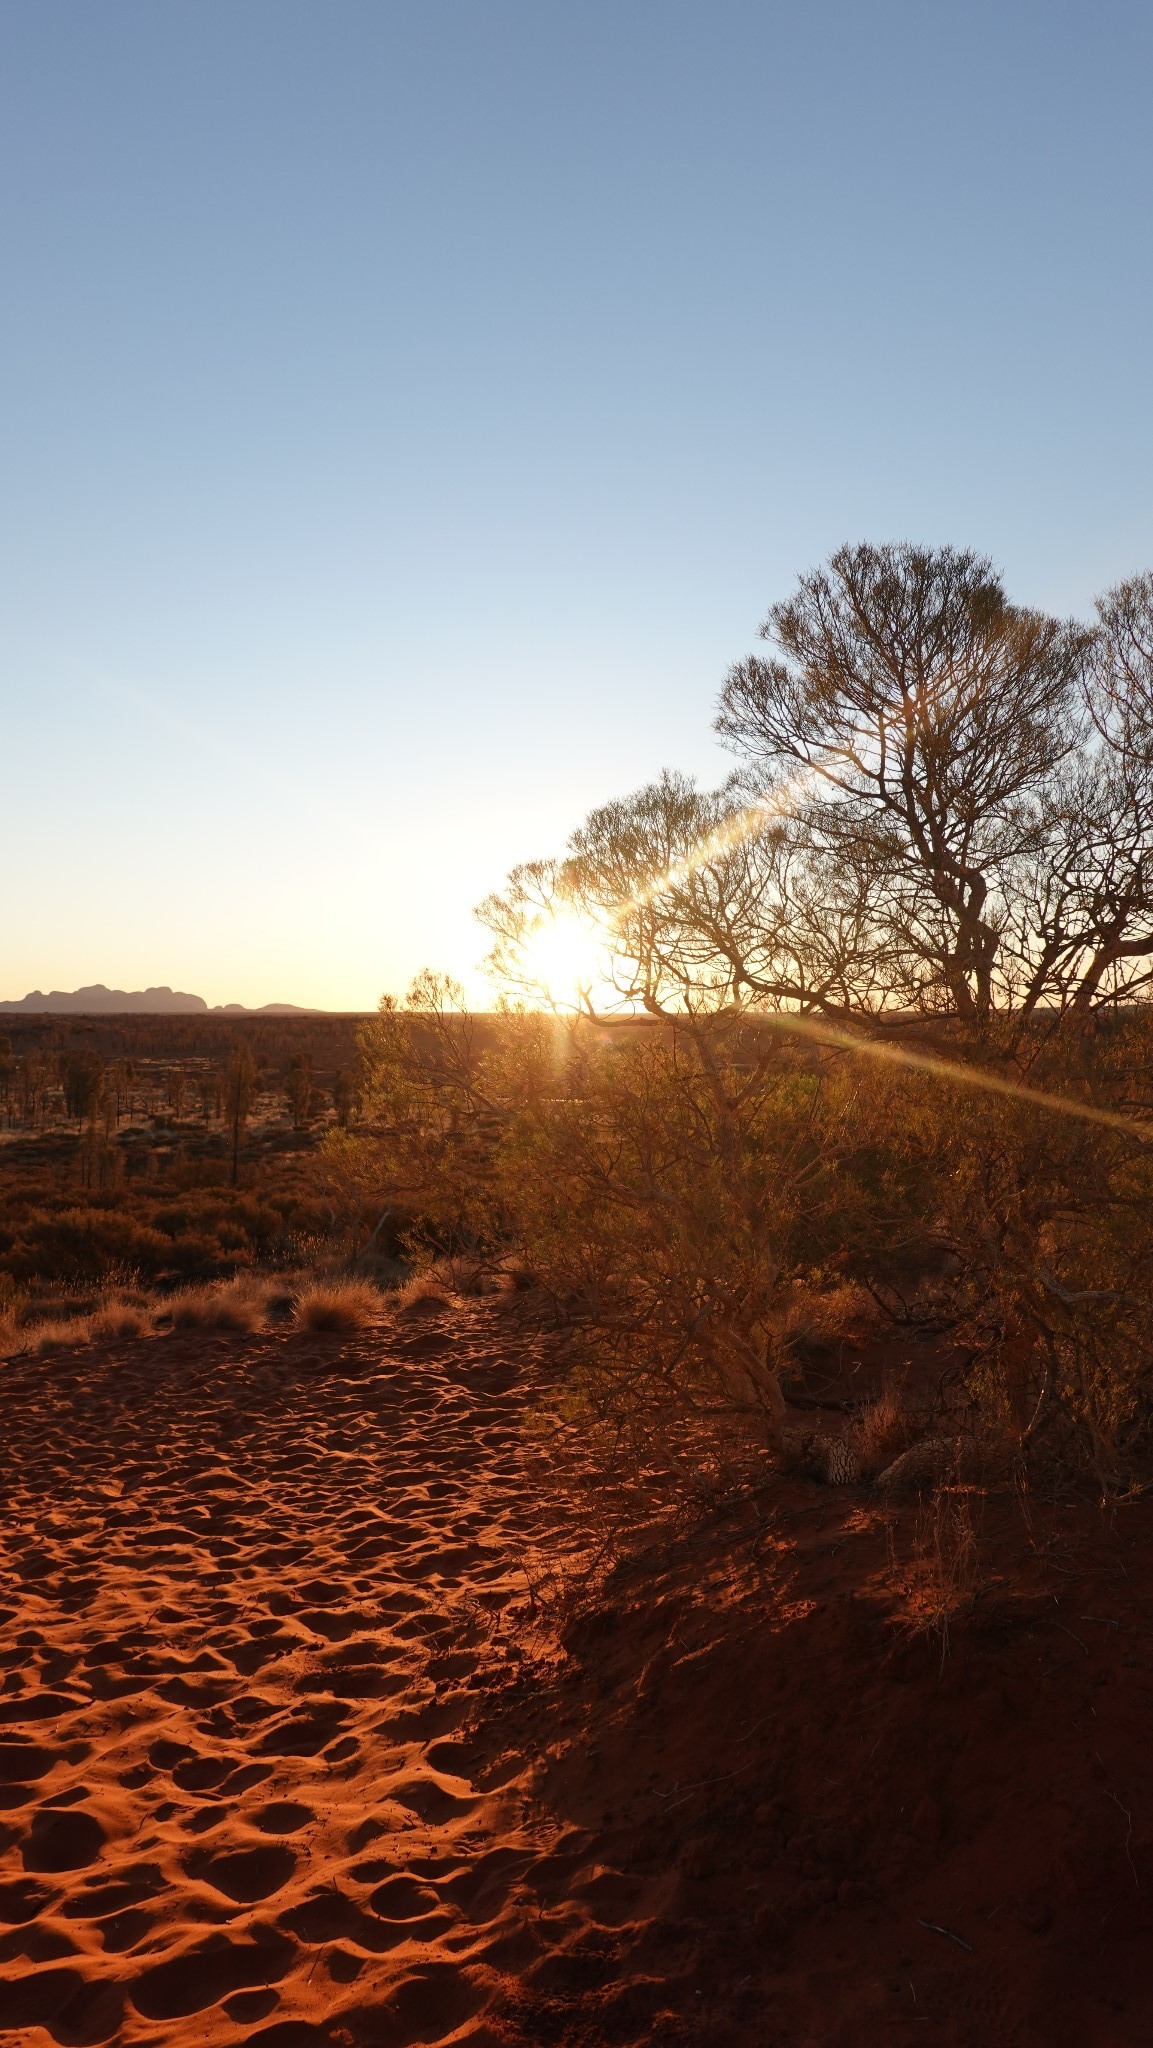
pixel 298 1089
pixel 7 1076
pixel 82 1077
pixel 239 1093
pixel 941 824
pixel 175 1088
pixel 695 902
pixel 344 1097
pixel 211 1093
pixel 1107 856
pixel 943 809
pixel 928 721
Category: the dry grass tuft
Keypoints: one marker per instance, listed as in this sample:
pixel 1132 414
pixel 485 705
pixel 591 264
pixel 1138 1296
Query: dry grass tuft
pixel 515 1276
pixel 337 1305
pixel 463 1276
pixel 881 1432
pixel 814 1321
pixel 117 1322
pixel 240 1304
pixel 422 1294
pixel 948 1569
pixel 12 1338
pixel 56 1336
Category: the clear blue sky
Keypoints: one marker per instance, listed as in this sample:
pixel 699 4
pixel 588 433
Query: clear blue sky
pixel 411 410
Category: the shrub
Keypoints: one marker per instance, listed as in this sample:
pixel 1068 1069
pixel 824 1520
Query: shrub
pixel 116 1322
pixel 337 1305
pixel 656 1178
pixel 80 1244
pixel 678 1185
pixel 198 1256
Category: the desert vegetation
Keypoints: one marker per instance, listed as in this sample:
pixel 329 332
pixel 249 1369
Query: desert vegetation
pixel 855 1050
pixel 145 1158
pixel 862 1034
pixel 685 1431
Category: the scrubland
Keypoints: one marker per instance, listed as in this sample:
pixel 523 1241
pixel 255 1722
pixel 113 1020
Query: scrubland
pixel 626 1518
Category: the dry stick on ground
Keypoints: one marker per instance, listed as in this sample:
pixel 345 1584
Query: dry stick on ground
pixel 1129 1836
pixel 948 1934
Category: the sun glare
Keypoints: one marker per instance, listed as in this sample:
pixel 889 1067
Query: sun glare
pixel 565 958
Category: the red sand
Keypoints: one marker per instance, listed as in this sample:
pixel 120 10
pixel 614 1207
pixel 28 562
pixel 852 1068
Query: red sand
pixel 299 1745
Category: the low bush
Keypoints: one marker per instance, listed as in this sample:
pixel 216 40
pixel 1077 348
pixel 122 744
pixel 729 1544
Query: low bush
pixel 80 1245
pixel 660 1183
pixel 337 1305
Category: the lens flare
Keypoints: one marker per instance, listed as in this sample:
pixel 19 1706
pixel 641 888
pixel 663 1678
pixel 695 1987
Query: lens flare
pixel 955 1072
pixel 570 960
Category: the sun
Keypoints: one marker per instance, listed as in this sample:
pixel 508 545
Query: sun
pixel 564 957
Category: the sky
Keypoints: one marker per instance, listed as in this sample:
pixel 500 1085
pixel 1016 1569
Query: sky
pixel 410 408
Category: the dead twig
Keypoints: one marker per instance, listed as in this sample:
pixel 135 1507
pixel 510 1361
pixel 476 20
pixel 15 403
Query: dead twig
pixel 1129 1836
pixel 948 1934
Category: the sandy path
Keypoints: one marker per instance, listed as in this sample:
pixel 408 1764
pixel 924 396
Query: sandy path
pixel 292 1753
pixel 252 1591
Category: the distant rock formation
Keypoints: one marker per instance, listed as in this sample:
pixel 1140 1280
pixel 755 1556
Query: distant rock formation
pixel 155 1002
pixel 266 1010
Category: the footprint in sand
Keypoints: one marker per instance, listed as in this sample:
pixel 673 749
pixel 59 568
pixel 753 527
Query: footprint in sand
pixel 203 1975
pixel 281 1817
pixel 62 1841
pixel 21 1901
pixel 305 1731
pixel 290 2034
pixel 404 1898
pixel 245 2006
pixel 129 1887
pixel 200 1773
pixel 63 2001
pixel 38 1706
pixel 245 1875
pixel 346 1560
pixel 121 1931
pixel 22 1761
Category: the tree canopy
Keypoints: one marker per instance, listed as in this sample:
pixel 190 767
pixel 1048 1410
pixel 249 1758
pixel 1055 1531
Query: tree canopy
pixel 942 807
